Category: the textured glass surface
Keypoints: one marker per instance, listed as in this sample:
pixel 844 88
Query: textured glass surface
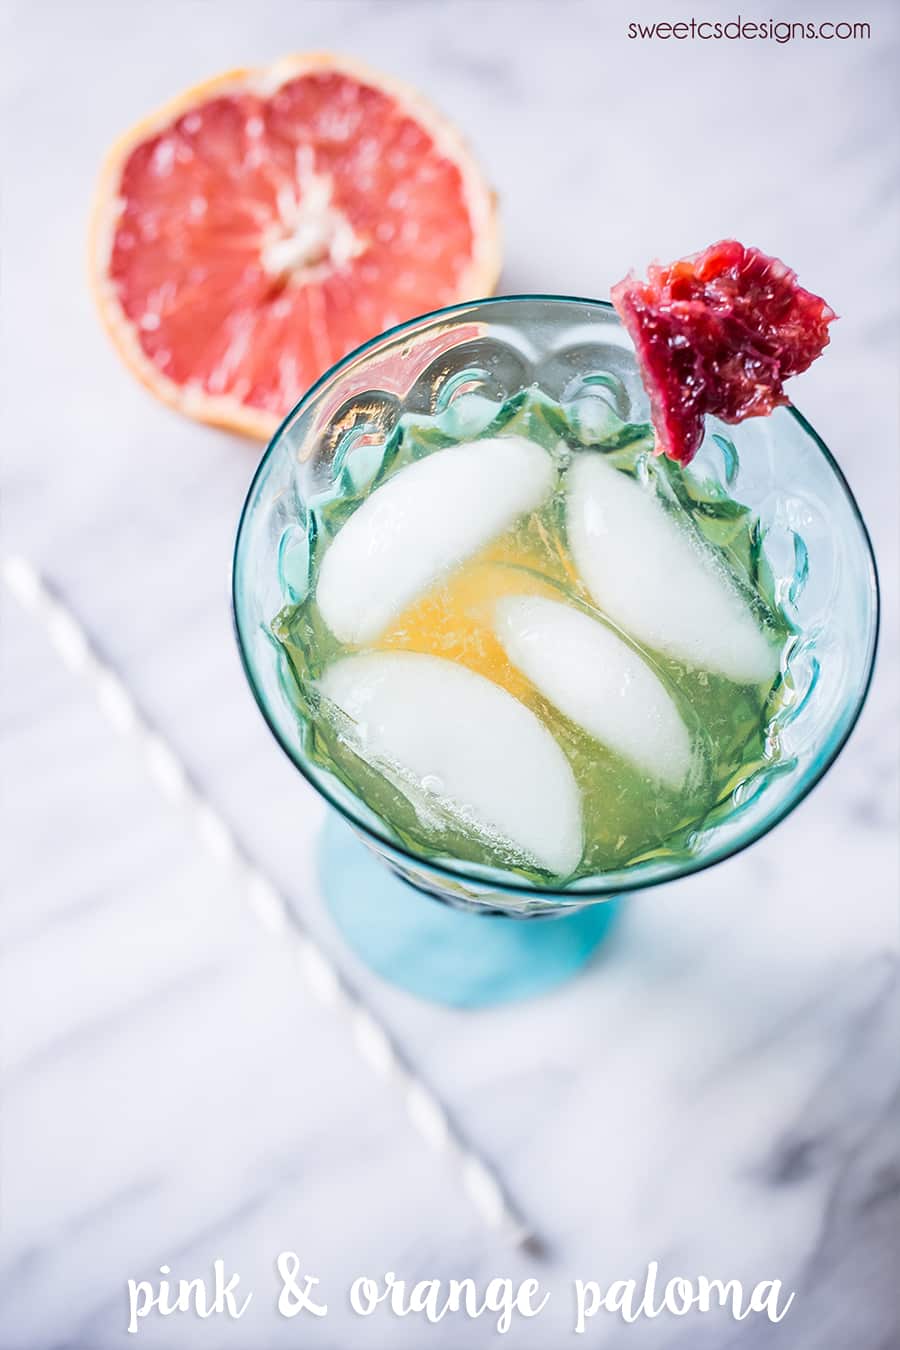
pixel 462 367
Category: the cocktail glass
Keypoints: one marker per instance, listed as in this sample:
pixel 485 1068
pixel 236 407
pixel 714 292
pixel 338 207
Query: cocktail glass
pixel 482 943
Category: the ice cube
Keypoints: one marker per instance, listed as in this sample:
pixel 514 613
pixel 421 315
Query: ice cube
pixel 427 518
pixel 657 582
pixel 463 738
pixel 594 677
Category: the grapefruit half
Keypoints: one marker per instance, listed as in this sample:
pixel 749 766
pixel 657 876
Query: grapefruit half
pixel 265 223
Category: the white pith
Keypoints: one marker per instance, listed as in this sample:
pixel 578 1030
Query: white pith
pixel 311 232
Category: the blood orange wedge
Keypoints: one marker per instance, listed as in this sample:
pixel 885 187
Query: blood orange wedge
pixel 718 332
pixel 267 222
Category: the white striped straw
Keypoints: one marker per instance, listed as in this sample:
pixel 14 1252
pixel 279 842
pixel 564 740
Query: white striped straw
pixel 372 1040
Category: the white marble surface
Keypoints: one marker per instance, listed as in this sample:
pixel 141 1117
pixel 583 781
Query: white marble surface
pixel 720 1090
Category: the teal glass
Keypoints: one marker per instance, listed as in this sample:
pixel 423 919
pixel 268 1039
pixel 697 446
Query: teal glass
pixel 461 364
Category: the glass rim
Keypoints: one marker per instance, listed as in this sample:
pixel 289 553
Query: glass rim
pixel 559 895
